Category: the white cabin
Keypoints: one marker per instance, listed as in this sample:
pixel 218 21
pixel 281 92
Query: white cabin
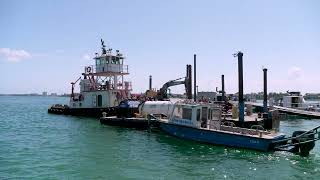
pixel 294 100
pixel 196 115
pixel 102 84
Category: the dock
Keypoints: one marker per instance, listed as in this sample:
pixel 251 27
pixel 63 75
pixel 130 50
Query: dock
pixel 130 122
pixel 292 111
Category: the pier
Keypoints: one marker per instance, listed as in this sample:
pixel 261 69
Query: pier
pixel 292 111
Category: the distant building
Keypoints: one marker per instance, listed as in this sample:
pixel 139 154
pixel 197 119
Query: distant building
pixel 54 94
pixel 207 95
pixel 44 93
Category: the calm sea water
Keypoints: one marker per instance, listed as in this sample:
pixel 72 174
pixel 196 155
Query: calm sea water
pixel 37 145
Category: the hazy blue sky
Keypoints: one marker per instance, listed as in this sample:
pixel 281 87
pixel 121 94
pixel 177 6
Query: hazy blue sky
pixel 44 45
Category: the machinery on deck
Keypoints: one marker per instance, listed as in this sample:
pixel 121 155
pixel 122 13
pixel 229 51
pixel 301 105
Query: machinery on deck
pixel 162 93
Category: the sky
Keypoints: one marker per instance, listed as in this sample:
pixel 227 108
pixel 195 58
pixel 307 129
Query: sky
pixel 44 45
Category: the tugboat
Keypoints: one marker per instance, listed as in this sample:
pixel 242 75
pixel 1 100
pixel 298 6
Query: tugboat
pixel 102 87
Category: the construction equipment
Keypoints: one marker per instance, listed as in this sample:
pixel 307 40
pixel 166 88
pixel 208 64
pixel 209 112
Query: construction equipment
pixel 162 93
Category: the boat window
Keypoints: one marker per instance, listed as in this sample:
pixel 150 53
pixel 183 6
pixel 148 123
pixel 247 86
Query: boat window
pixel 210 114
pixel 103 61
pixel 177 112
pixel 107 59
pixel 198 114
pixel 295 101
pixel 97 62
pixel 186 113
pixel 179 109
pixel 117 60
pixel 99 97
pixel 204 113
pixel 113 60
pixel 204 117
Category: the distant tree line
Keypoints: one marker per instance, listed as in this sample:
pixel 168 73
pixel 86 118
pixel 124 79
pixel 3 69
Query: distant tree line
pixel 277 96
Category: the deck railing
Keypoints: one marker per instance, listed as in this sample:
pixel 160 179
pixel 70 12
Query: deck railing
pixel 107 68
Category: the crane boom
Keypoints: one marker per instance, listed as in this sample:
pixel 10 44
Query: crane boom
pixel 162 93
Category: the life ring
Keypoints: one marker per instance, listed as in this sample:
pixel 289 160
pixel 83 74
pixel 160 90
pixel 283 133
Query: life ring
pixel 88 69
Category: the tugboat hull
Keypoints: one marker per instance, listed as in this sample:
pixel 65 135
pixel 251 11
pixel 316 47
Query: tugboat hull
pixel 88 112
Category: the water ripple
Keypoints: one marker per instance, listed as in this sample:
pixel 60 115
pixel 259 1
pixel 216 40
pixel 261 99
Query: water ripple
pixel 37 145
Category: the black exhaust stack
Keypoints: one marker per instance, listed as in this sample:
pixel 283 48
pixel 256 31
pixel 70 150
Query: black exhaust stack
pixel 188 82
pixel 265 93
pixel 195 77
pixel 223 92
pixel 150 82
pixel 240 76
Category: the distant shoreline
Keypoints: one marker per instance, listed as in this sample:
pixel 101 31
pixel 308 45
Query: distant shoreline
pixel 65 95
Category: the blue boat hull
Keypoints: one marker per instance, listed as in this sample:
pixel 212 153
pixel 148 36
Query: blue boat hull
pixel 218 137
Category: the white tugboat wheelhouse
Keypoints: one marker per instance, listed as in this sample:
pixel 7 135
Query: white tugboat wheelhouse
pixel 102 84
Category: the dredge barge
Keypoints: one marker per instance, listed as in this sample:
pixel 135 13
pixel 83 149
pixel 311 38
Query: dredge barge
pixel 102 87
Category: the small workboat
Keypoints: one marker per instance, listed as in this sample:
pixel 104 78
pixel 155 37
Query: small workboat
pixel 295 100
pixel 203 123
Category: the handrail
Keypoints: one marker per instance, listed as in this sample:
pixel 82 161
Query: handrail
pixel 296 137
pixel 230 124
pixel 257 127
pixel 122 68
pixel 303 142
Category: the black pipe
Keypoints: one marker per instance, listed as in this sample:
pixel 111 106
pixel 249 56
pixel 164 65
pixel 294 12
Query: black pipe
pixel 150 82
pixel 189 82
pixel 195 77
pixel 223 92
pixel 265 93
pixel 241 100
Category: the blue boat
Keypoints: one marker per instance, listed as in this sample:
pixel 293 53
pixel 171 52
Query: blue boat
pixel 202 122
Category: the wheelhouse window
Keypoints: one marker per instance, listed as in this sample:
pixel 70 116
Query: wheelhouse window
pixel 117 60
pixel 204 113
pixel 97 62
pixel 107 59
pixel 187 113
pixel 210 114
pixel 198 114
pixel 103 61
